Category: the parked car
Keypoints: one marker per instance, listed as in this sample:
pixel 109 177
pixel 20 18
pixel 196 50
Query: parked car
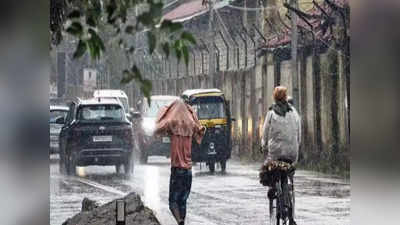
pixel 96 132
pixel 153 145
pixel 56 112
pixel 115 94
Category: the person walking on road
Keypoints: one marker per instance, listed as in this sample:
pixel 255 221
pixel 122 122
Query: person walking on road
pixel 180 122
pixel 281 132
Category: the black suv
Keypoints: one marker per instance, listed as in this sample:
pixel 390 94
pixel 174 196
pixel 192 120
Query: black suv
pixel 96 132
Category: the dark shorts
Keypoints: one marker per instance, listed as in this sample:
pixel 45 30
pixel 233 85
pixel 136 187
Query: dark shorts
pixel 180 184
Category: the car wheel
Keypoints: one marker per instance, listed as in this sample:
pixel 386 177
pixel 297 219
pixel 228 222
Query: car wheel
pixel 71 165
pixel 118 168
pixel 128 168
pixel 61 163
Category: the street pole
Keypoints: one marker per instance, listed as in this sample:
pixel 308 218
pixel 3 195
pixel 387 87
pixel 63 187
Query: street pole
pixel 294 45
pixel 211 30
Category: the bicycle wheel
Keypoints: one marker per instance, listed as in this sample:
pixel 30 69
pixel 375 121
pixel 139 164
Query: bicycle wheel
pixel 293 201
pixel 273 215
pixel 291 198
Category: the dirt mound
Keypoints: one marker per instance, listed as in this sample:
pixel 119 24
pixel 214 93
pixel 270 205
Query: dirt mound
pixel 136 213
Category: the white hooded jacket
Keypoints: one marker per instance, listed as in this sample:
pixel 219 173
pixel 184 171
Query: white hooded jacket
pixel 282 135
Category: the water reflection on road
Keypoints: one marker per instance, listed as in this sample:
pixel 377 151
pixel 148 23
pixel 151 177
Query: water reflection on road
pixel 152 188
pixel 232 198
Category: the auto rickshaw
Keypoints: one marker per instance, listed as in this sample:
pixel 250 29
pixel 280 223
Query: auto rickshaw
pixel 213 112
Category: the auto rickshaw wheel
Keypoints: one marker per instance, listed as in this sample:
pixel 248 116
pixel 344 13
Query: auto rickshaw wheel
pixel 143 158
pixel 223 166
pixel 211 166
pixel 118 168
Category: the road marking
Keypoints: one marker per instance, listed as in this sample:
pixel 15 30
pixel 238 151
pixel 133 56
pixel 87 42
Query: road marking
pixel 100 186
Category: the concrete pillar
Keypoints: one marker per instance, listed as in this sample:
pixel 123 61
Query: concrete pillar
pixel 203 81
pixel 342 104
pixel 258 95
pixel 310 112
pixel 286 78
pixel 236 110
pixel 270 81
pixel 243 111
pixel 326 101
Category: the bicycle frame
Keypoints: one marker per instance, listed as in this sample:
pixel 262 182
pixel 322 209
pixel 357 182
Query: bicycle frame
pixel 282 202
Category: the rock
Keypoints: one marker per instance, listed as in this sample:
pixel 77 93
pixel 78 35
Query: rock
pixel 136 213
pixel 88 205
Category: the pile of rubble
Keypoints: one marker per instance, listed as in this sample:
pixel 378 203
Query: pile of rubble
pixel 93 214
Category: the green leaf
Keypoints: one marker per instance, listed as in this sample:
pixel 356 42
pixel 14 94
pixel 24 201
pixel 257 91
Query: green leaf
pixel 169 25
pixel 178 54
pixel 123 13
pixel 146 19
pixel 110 8
pixel 93 49
pixel 129 29
pixel 185 52
pixel 178 49
pixel 156 10
pixel 152 41
pixel 126 77
pixel 97 40
pixel 189 37
pixel 75 29
pixel 178 44
pixel 131 50
pixel 90 21
pixel 80 49
pixel 136 72
pixel 146 88
pixel 74 14
pixel 165 48
pixel 96 7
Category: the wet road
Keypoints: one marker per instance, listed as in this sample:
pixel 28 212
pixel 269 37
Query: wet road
pixel 233 198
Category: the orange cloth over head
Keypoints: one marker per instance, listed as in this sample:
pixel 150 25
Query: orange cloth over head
pixel 179 119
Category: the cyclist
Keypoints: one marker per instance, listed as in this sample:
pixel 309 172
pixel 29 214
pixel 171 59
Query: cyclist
pixel 281 132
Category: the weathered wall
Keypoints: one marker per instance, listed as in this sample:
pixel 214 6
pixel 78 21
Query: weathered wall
pixel 248 82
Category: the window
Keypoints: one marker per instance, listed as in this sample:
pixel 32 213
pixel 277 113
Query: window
pixel 100 113
pixel 55 114
pixel 155 107
pixel 209 107
pixel 125 103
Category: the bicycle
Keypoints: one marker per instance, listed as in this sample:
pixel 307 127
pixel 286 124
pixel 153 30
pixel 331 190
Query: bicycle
pixel 278 175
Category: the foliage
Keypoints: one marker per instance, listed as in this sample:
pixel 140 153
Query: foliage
pixel 84 20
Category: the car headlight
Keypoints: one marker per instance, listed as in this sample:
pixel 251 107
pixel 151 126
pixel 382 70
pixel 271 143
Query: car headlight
pixel 148 127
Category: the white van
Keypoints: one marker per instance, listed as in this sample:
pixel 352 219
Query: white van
pixel 116 94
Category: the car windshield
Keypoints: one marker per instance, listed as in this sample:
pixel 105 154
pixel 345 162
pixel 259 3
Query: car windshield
pixel 100 112
pixel 124 102
pixel 209 107
pixel 55 114
pixel 155 107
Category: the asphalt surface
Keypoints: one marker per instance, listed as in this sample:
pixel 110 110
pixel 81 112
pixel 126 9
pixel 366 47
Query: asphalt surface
pixel 216 199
